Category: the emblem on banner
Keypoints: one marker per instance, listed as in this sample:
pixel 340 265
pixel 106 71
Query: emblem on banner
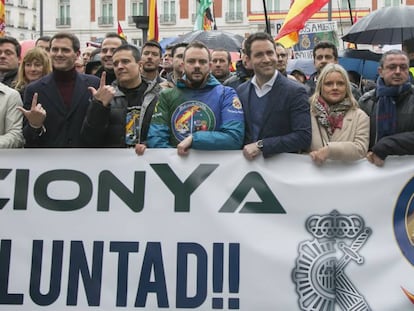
pixel 404 226
pixel 404 221
pixel 319 274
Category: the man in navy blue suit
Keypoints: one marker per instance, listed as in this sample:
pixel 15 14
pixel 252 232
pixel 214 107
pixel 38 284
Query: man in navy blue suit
pixel 276 108
pixel 55 105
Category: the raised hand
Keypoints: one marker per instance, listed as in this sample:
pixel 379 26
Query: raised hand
pixel 105 93
pixel 36 115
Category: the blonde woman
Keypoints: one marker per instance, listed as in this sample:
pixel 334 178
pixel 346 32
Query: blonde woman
pixel 36 64
pixel 340 130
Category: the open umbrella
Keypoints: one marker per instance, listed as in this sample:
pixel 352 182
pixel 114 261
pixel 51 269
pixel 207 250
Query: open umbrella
pixel 303 64
pixel 365 62
pixel 389 25
pixel 214 39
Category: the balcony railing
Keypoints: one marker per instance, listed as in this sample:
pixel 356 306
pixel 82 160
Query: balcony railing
pixel 22 26
pixel 234 17
pixel 168 19
pixel 105 20
pixel 22 4
pixel 63 22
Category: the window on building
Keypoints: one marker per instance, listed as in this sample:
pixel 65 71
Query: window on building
pixel 21 20
pixel 8 20
pixel 169 7
pixel 391 3
pixel 137 8
pixel 107 8
pixel 64 12
pixel 344 4
pixel 273 5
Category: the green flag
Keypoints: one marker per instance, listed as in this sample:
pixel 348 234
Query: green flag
pixel 203 6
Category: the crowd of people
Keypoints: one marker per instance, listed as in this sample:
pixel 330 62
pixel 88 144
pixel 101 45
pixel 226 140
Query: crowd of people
pixel 59 96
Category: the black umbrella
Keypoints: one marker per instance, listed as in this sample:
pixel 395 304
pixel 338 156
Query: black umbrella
pixel 214 39
pixel 390 25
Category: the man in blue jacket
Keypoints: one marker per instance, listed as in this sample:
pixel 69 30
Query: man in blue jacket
pixel 276 108
pixel 198 112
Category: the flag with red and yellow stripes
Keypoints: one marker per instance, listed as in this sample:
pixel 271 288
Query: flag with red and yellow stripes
pixel 121 32
pixel 153 21
pixel 299 13
pixel 2 19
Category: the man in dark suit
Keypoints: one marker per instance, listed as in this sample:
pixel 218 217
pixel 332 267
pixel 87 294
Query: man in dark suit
pixel 55 105
pixel 276 108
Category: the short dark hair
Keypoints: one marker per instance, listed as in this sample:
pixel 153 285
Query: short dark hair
pixel 43 38
pixel 198 45
pixel 254 37
pixel 129 47
pixel 115 35
pixel 70 36
pixel 178 45
pixel 326 45
pixel 223 50
pixel 152 43
pixel 17 46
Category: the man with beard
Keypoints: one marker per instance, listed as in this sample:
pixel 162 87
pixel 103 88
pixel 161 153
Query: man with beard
pixel 220 67
pixel 151 60
pixel 198 112
pixel 111 41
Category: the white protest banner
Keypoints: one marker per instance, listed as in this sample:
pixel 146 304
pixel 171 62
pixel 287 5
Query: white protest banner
pixel 104 229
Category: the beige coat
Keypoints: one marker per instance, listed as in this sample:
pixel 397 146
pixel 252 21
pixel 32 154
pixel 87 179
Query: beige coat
pixel 349 143
pixel 11 119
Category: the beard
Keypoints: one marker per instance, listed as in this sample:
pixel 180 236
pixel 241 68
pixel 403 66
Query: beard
pixel 197 82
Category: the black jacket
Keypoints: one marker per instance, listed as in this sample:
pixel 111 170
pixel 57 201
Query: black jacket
pixel 105 126
pixel 402 142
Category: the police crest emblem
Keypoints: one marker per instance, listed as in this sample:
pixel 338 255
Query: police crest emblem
pixel 319 274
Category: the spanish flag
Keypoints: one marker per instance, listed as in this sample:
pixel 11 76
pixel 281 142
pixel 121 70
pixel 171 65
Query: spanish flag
pixel 153 21
pixel 2 19
pixel 300 12
pixel 121 32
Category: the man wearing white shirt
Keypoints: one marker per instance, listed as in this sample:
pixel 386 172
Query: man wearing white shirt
pixel 276 108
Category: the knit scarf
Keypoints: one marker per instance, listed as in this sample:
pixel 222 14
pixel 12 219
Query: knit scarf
pixel 386 108
pixel 331 116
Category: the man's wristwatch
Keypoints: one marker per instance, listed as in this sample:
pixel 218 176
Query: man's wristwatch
pixel 259 144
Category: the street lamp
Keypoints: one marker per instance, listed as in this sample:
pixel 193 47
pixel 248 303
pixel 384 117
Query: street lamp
pixel 142 22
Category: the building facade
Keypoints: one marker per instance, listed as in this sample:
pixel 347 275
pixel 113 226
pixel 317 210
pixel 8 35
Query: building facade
pixel 90 20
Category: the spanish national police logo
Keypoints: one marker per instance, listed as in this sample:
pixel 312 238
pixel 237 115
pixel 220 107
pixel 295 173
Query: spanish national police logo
pixel 190 117
pixel 319 274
